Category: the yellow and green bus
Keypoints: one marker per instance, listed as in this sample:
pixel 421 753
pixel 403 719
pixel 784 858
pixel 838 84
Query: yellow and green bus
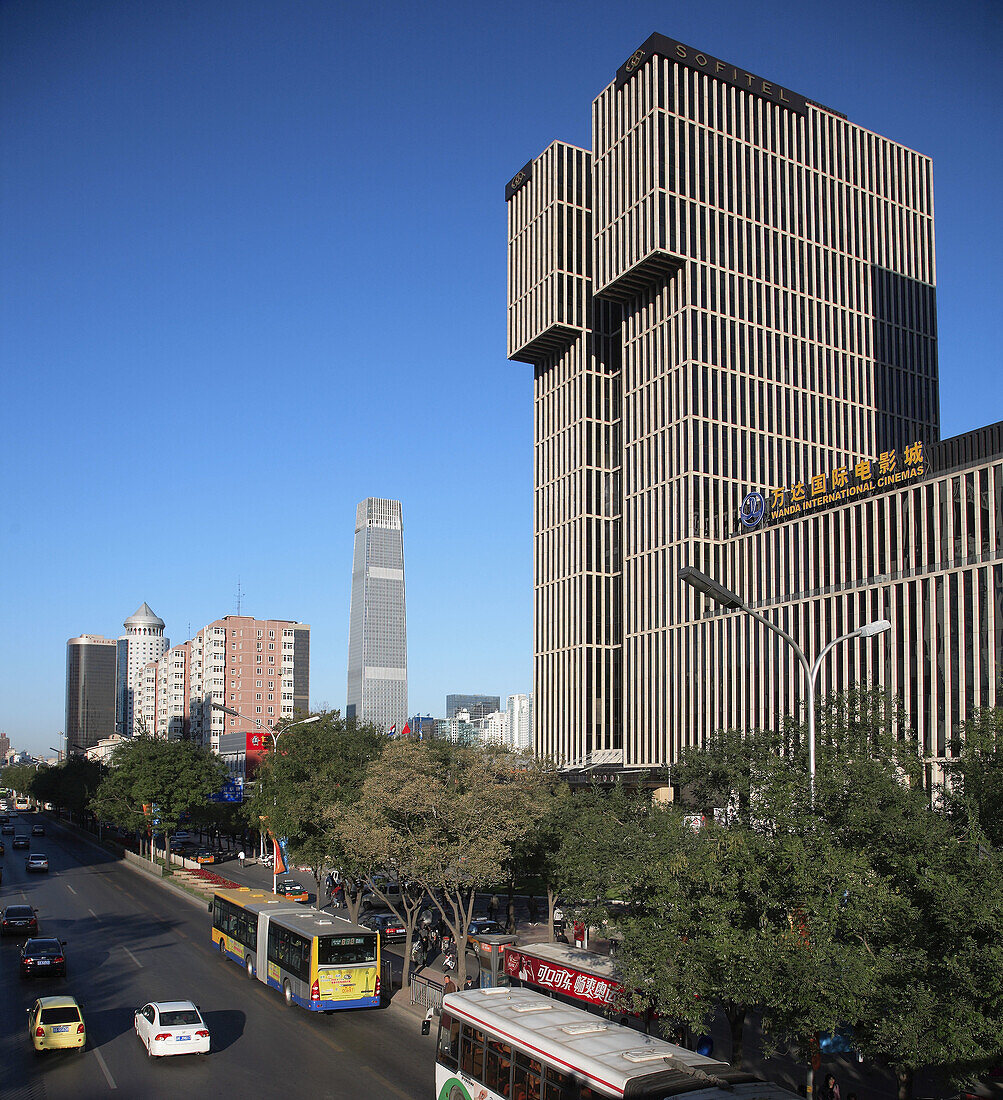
pixel 319 961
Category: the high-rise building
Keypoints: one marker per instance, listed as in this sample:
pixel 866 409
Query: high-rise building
pixel 377 634
pixel 142 642
pixel 476 706
pixel 90 690
pixel 730 299
pixel 519 721
pixel 259 668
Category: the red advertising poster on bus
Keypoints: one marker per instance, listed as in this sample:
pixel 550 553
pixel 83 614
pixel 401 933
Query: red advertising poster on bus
pixel 559 979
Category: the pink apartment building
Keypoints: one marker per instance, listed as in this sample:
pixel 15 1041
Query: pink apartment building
pixel 257 667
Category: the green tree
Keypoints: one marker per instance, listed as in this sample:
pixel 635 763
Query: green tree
pixel 301 790
pixel 155 783
pixel 975 775
pixel 444 818
pixel 70 784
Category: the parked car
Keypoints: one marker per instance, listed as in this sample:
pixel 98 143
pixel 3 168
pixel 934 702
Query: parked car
pixel 18 920
pixel 41 958
pixel 21 841
pixel 483 927
pixel 171 1027
pixel 372 900
pixel 292 890
pixel 36 862
pixel 390 928
pixel 38 830
pixel 56 1023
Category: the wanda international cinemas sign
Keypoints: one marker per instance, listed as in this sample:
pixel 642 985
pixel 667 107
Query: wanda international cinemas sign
pixel 839 486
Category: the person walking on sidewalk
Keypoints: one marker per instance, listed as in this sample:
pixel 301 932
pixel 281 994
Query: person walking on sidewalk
pixel 493 907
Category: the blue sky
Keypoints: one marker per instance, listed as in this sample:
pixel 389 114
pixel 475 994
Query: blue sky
pixel 252 270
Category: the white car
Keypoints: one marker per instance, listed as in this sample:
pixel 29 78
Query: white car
pixel 36 862
pixel 171 1027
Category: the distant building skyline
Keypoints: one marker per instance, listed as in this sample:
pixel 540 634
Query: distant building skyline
pixel 477 706
pixel 377 631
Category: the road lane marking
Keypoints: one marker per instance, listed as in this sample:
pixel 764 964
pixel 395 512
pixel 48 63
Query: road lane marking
pixel 132 956
pixel 104 1069
pixel 92 913
pixel 70 888
pixel 387 1084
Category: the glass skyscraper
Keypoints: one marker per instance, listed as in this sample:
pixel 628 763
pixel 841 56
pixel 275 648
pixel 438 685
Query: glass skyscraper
pixel 377 636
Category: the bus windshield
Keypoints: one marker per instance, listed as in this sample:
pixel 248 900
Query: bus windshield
pixel 343 950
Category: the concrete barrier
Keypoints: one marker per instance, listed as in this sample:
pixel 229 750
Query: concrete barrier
pixel 143 863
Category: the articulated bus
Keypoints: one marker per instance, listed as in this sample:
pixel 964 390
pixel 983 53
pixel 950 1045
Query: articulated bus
pixel 514 1044
pixel 315 960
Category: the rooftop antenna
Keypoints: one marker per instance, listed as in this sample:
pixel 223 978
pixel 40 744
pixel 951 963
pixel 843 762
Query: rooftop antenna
pixel 239 595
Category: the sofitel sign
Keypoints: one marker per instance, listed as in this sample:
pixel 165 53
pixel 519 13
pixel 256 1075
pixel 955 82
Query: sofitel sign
pixel 658 44
pixel 838 486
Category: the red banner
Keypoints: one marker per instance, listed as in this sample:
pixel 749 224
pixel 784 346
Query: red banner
pixel 559 979
pixel 257 742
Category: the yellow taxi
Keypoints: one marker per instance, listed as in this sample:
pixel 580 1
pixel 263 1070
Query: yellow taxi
pixel 291 890
pixel 56 1023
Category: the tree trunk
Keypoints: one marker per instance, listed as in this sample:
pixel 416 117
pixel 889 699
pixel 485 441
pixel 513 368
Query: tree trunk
pixel 736 1021
pixel 904 1078
pixel 406 968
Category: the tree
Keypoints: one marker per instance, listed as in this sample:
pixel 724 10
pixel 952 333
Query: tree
pixel 302 789
pixel 444 819
pixel 975 775
pixel 155 782
pixel 70 784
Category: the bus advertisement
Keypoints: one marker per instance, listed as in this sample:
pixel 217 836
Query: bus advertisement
pixel 317 961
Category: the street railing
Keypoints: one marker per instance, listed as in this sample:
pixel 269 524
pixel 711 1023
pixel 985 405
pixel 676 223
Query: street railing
pixel 426 993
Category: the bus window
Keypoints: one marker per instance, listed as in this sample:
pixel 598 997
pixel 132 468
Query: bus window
pixel 526 1078
pixel 449 1040
pixel 472 1052
pixel 498 1067
pixel 557 1085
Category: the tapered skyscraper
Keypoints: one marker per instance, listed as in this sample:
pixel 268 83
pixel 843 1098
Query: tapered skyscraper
pixel 377 636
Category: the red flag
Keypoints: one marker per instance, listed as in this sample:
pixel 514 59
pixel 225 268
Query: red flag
pixel 280 863
pixel 406 731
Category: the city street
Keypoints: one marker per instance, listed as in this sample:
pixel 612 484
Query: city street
pixel 130 941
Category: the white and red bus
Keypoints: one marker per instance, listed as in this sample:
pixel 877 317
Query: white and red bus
pixel 503 1043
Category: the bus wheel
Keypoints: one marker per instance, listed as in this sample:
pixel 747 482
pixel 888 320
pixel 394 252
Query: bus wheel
pixel 249 966
pixel 287 993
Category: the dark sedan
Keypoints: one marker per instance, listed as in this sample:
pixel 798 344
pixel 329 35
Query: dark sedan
pixel 38 830
pixel 390 928
pixel 21 841
pixel 41 958
pixel 18 920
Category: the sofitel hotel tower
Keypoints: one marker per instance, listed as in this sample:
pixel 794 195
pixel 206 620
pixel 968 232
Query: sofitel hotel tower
pixel 729 304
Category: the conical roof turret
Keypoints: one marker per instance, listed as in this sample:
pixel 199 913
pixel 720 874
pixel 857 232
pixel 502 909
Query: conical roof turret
pixel 144 616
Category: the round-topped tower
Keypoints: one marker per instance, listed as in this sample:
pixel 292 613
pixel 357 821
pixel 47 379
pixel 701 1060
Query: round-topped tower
pixel 142 642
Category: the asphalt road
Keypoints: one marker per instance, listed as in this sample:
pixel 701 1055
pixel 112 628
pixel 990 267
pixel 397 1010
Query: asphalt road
pixel 130 941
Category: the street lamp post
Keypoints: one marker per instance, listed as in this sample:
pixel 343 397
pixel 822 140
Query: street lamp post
pixel 709 587
pixel 275 735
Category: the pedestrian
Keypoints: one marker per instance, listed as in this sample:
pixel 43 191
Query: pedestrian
pixel 240 856
pixel 559 924
pixel 469 983
pixel 510 923
pixel 830 1090
pixel 534 909
pixel 449 986
pixel 423 939
pixel 493 907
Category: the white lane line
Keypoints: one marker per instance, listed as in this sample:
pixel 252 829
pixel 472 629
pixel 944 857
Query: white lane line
pixel 70 888
pixel 132 956
pixel 91 911
pixel 105 1070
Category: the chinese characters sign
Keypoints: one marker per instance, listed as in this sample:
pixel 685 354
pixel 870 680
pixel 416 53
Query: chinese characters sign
pixel 845 483
pixel 559 979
